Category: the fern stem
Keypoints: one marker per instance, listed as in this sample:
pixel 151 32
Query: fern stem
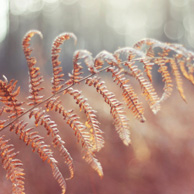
pixel 53 95
pixel 63 89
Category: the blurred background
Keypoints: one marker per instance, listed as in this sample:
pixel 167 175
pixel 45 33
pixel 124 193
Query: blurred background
pixel 161 157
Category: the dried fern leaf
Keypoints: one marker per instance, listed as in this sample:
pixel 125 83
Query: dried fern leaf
pixel 130 53
pixel 75 77
pixel 12 166
pixel 57 75
pixel 72 120
pixel 42 119
pixel 168 86
pixel 178 79
pixel 81 133
pixel 190 66
pixel 84 137
pixel 105 56
pixel 34 72
pixel 89 61
pixel 120 120
pixel 129 96
pixel 147 88
pixel 133 54
pixel 147 68
pixel 45 153
pixel 152 43
pixel 8 94
pixel 56 105
pixel 182 65
pixel 97 140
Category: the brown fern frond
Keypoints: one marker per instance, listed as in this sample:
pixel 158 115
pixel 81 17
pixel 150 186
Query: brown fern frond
pixel 130 53
pixel 152 44
pixel 147 68
pixel 120 120
pixel 105 56
pixel 89 61
pixel 72 120
pixel 75 77
pixel 148 42
pixel 42 119
pixel 96 133
pixel 80 131
pixel 178 79
pixel 12 166
pixel 190 67
pixel 133 54
pixel 147 88
pixel 182 65
pixel 93 162
pixel 2 122
pixel 57 75
pixel 45 153
pixel 129 96
pixel 55 104
pixel 184 59
pixel 34 72
pixel 84 137
pixel 8 94
pixel 168 86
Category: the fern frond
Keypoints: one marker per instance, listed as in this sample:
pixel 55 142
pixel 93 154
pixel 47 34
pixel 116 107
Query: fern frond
pixel 163 70
pixel 147 68
pixel 120 120
pixel 105 56
pixel 45 153
pixel 55 104
pixel 72 120
pixel 42 119
pixel 168 86
pixel 57 75
pixel 148 42
pixel 130 53
pixel 178 78
pixel 96 133
pixel 13 166
pixel 75 77
pixel 84 137
pixel 80 131
pixel 93 162
pixel 8 94
pixel 182 65
pixel 129 96
pixel 147 88
pixel 34 72
pixel 89 61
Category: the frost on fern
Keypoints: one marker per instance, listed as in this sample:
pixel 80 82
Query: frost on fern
pixel 123 65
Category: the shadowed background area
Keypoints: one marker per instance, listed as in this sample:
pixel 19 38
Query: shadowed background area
pixel 161 156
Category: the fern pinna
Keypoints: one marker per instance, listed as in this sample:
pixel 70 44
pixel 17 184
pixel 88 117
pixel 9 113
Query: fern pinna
pixel 123 64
